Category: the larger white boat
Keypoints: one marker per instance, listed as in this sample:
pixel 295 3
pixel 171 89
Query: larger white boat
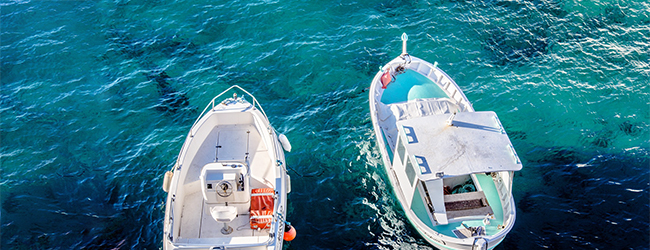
pixel 451 168
pixel 229 186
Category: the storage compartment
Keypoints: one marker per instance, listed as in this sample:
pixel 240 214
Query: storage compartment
pixel 459 185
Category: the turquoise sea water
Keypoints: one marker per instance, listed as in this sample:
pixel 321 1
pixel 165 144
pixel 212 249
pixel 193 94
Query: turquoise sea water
pixel 97 96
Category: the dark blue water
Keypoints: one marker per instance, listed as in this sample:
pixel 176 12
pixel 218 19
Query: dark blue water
pixel 97 96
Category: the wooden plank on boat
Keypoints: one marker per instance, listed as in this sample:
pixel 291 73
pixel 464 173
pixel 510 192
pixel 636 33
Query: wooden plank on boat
pixel 467 204
pixel 464 205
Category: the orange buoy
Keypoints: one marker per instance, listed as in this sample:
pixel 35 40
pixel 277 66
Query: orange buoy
pixel 386 78
pixel 289 232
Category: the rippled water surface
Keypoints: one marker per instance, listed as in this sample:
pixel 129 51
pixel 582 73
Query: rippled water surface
pixel 97 96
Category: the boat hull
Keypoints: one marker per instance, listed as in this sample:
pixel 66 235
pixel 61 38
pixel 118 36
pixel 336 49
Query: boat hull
pixel 386 150
pixel 231 142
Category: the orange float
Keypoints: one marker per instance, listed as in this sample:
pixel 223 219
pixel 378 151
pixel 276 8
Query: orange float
pixel 289 232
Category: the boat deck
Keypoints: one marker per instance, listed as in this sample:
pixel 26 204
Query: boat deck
pixel 488 187
pixel 196 223
pixel 261 167
pixel 197 210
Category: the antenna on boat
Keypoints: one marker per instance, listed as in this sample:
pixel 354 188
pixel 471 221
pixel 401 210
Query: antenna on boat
pixel 404 39
pixel 217 146
pixel 248 143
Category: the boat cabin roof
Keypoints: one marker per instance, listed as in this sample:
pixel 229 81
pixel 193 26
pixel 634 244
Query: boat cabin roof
pixel 475 142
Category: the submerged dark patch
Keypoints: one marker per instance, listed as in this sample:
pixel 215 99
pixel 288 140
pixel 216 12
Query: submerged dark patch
pixel 585 194
pixel 630 128
pixel 516 45
pixel 370 62
pixel 517 135
pixel 531 36
pixel 601 141
pixel 394 8
pixel 171 100
pixel 527 203
pixel 555 156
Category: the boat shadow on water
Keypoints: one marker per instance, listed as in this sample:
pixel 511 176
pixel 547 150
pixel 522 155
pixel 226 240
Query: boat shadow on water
pixel 569 190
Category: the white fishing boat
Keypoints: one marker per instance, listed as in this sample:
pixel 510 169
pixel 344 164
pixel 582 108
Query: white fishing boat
pixel 228 188
pixel 451 168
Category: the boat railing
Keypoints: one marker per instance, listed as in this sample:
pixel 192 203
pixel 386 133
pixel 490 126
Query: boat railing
pixel 212 103
pixel 170 226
